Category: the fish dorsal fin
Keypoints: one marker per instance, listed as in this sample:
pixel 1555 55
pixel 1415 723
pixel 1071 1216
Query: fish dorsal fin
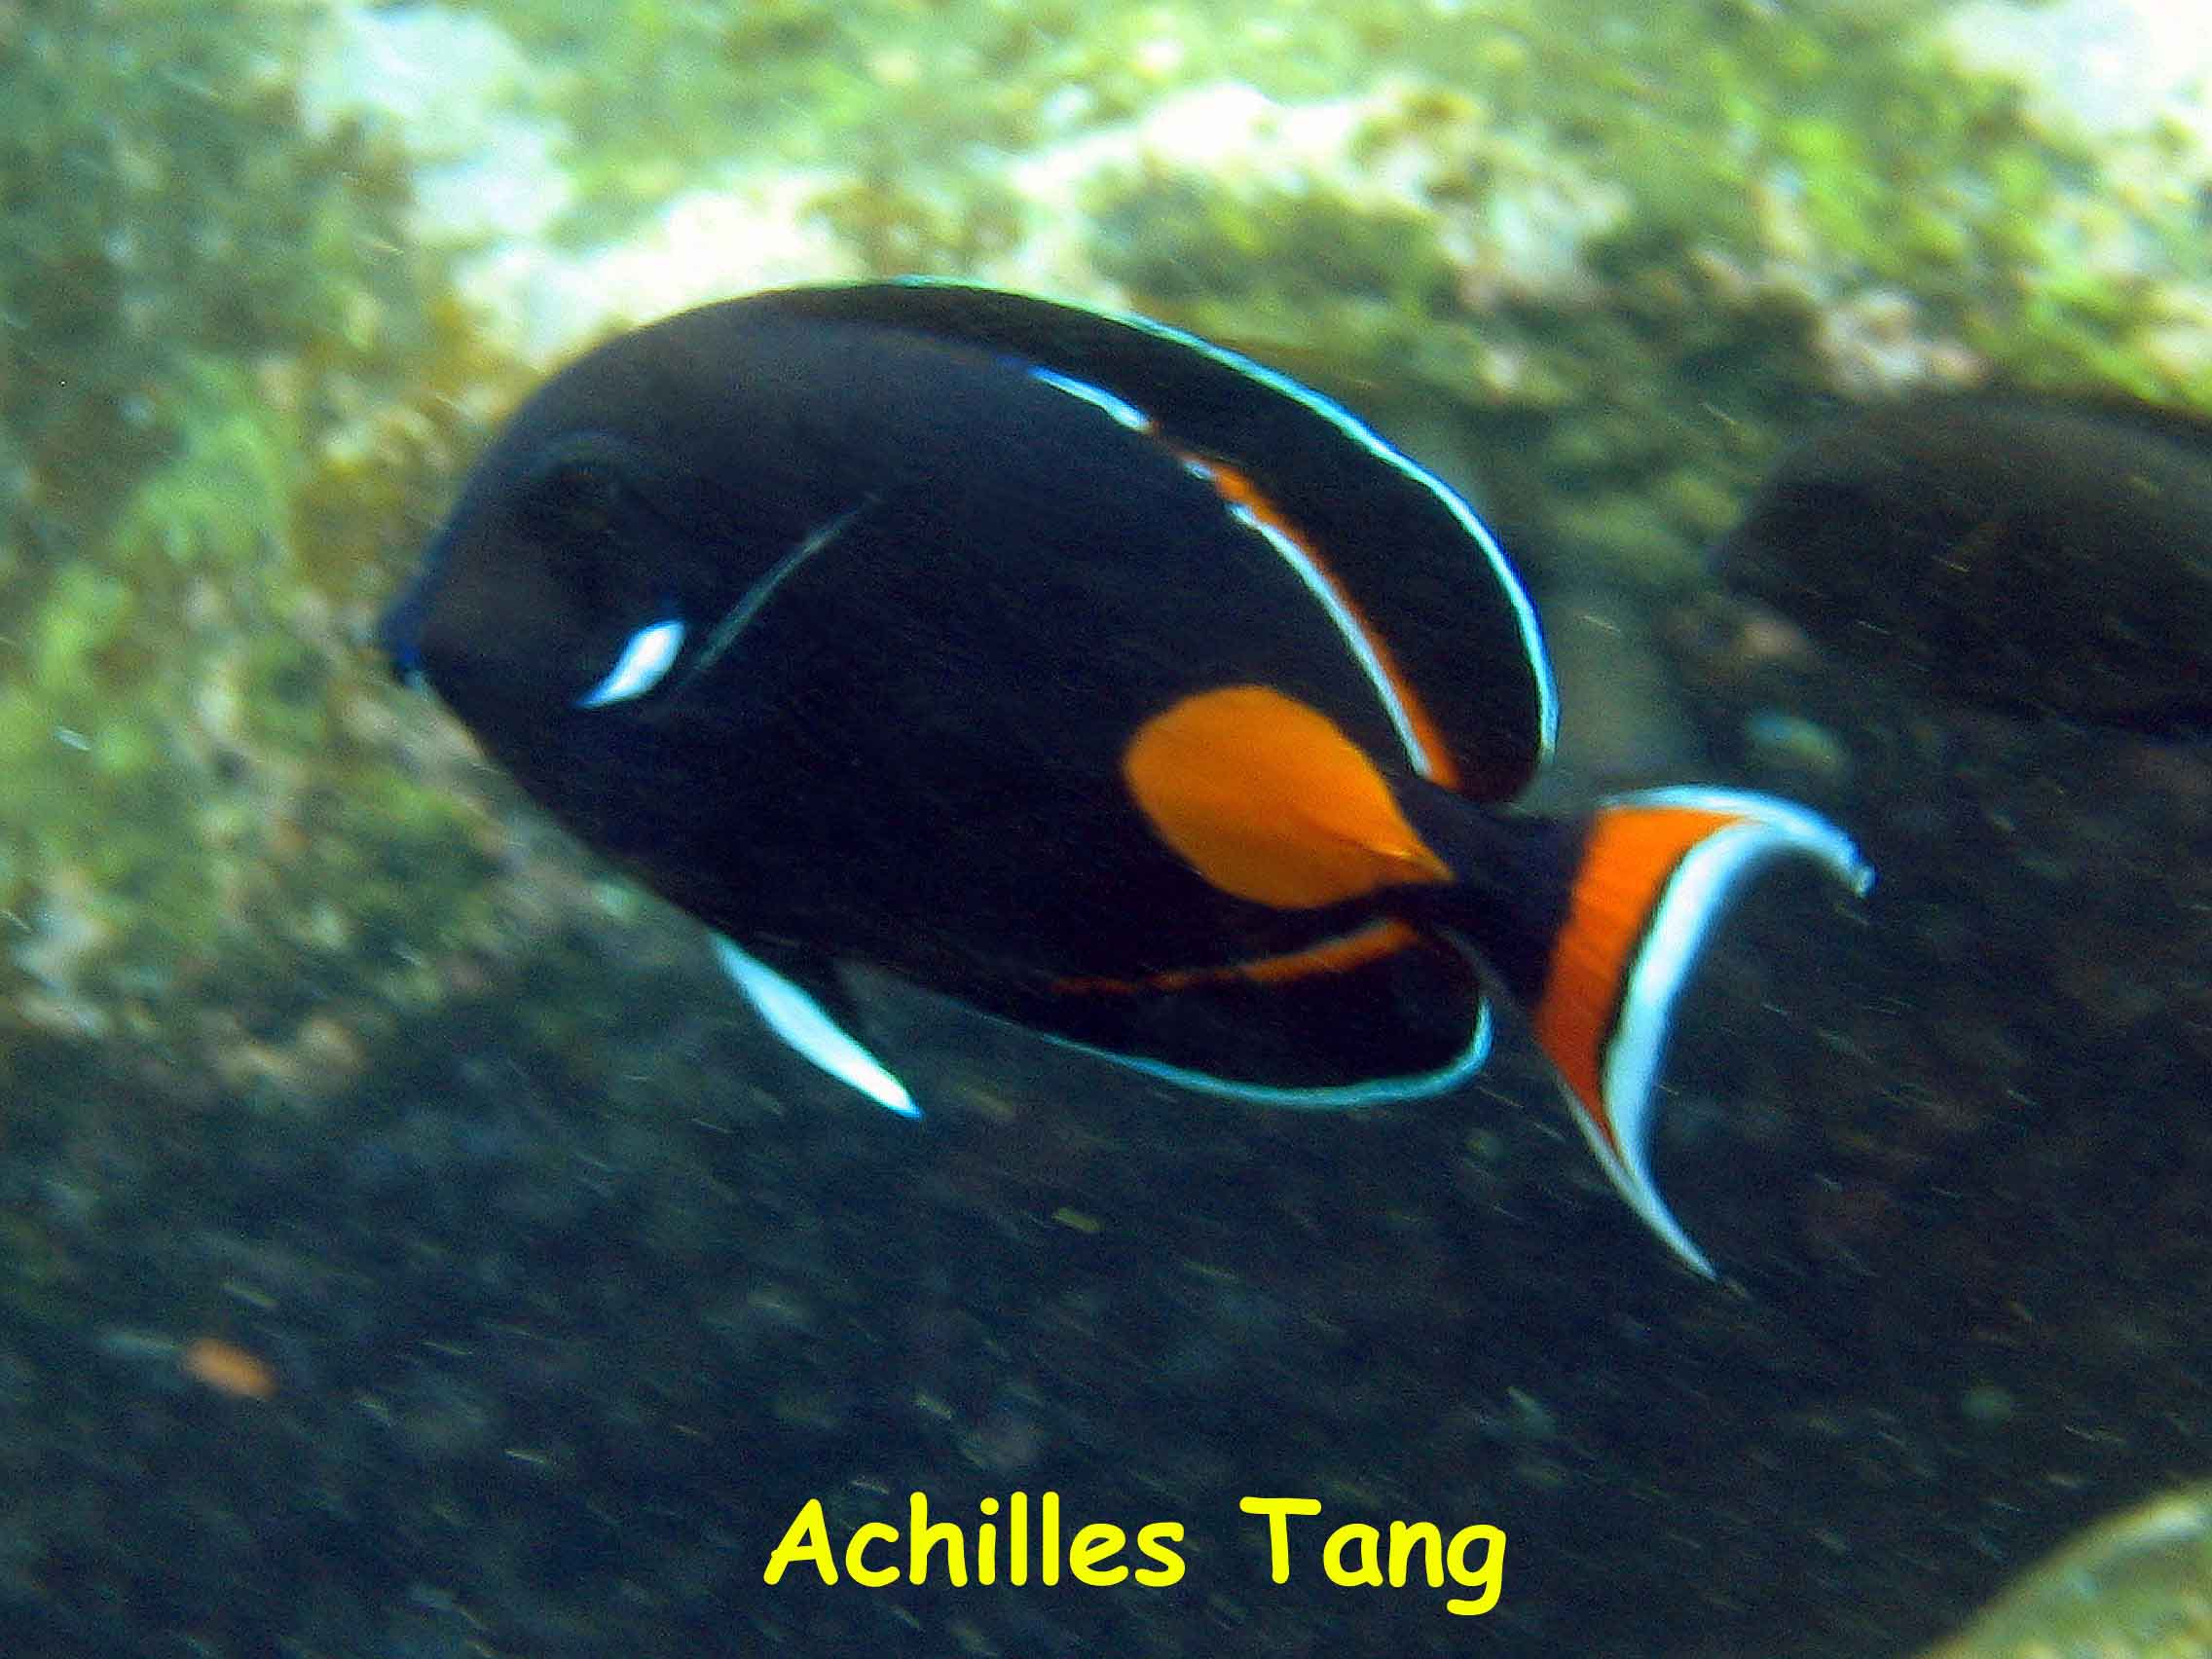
pixel 799 1018
pixel 1410 557
pixel 1267 799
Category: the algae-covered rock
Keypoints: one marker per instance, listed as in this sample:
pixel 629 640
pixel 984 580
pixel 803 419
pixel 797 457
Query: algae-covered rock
pixel 2037 556
pixel 2137 1586
pixel 1630 246
pixel 226 378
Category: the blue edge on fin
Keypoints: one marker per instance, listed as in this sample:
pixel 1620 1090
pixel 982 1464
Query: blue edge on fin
pixel 1691 899
pixel 796 1015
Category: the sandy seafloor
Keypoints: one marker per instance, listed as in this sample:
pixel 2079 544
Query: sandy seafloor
pixel 561 1288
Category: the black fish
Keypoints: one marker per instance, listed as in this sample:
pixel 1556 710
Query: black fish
pixel 2033 555
pixel 1080 669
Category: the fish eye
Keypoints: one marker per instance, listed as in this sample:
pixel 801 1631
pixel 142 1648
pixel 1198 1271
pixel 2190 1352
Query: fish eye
pixel 643 663
pixel 586 495
pixel 578 488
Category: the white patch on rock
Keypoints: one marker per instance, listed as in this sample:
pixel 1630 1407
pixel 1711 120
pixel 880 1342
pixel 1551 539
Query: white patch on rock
pixel 2106 65
pixel 455 93
pixel 758 230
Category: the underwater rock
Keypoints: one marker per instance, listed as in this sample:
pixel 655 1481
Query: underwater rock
pixel 2107 65
pixel 2134 1585
pixel 2034 555
pixel 1629 726
pixel 458 98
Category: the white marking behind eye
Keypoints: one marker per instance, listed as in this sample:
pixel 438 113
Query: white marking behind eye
pixel 1128 414
pixel 643 663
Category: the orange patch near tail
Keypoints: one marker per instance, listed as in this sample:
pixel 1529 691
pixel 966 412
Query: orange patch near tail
pixel 1269 800
pixel 1631 854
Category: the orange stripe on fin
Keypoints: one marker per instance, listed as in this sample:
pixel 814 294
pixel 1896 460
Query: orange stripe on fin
pixel 1657 867
pixel 1269 800
pixel 1370 943
pixel 1630 857
pixel 1239 489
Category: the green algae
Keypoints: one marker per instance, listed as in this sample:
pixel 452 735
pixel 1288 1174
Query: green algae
pixel 227 372
pixel 1770 164
pixel 229 486
pixel 1664 353
pixel 1275 248
pixel 163 204
pixel 900 222
pixel 2137 1585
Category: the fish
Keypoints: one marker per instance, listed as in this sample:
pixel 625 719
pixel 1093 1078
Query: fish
pixel 1094 676
pixel 2033 555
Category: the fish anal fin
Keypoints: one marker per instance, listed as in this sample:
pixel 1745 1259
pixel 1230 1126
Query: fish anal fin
pixel 1377 1015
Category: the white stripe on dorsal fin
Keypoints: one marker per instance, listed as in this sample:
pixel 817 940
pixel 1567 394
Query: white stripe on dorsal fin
pixel 1120 409
pixel 1327 408
pixel 798 1017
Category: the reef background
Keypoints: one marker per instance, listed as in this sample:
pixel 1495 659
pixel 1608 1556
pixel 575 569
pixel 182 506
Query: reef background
pixel 316 1038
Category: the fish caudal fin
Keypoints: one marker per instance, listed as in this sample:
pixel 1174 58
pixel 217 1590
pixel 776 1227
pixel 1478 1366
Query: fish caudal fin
pixel 1656 869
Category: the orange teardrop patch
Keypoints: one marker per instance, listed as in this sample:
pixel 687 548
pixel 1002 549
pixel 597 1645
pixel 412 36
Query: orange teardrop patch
pixel 1269 800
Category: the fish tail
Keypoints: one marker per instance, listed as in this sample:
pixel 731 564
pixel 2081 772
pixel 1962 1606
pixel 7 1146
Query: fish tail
pixel 1598 945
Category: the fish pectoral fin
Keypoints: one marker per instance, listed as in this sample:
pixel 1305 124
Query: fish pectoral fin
pixel 1656 869
pixel 797 1013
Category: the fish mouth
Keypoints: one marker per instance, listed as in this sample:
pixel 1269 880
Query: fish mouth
pixel 406 619
pixel 400 633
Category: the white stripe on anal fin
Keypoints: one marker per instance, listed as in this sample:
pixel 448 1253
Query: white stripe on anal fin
pixel 795 1016
pixel 1322 1097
